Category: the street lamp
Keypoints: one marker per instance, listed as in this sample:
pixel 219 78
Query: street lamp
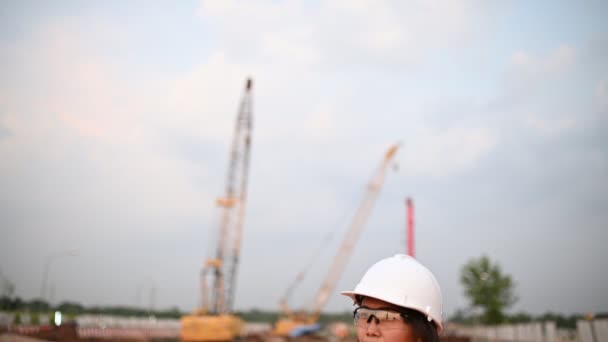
pixel 149 280
pixel 49 260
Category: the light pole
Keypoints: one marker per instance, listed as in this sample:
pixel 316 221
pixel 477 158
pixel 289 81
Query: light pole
pixel 149 280
pixel 47 264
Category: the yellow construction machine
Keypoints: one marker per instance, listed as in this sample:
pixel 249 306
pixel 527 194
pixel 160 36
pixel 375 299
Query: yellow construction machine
pixel 295 324
pixel 213 321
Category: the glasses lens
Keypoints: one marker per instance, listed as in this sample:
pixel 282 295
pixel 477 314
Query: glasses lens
pixel 385 318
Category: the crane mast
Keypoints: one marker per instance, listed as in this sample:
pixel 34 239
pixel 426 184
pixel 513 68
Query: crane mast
pixel 213 322
pixel 409 204
pixel 225 264
pixel 245 121
pixel 352 235
pixel 296 324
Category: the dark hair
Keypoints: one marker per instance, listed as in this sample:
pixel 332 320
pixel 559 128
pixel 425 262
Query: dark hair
pixel 422 329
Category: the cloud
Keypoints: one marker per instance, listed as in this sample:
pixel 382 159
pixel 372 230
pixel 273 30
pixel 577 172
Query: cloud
pixel 93 137
pixel 528 69
pixel 124 154
pixel 446 152
pixel 600 97
pixel 204 100
pixel 562 59
pixel 340 32
pixel 321 124
pixel 549 126
pixel 5 126
pixel 56 73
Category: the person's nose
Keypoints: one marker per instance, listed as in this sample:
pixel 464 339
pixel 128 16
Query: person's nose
pixel 372 328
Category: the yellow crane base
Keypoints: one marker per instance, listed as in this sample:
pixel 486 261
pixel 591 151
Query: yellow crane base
pixel 196 328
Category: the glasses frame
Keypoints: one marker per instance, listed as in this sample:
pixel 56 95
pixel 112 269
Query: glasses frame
pixel 386 312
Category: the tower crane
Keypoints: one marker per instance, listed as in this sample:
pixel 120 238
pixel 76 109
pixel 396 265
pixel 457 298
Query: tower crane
pixel 292 323
pixel 213 321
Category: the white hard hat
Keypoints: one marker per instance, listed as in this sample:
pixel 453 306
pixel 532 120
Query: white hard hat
pixel 402 280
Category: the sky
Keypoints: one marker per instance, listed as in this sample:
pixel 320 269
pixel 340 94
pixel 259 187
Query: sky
pixel 116 120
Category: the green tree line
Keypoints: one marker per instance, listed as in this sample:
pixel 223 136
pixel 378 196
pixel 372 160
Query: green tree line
pixel 491 292
pixel 561 320
pixel 72 309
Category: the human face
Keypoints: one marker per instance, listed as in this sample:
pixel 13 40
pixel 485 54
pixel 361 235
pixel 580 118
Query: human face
pixel 395 330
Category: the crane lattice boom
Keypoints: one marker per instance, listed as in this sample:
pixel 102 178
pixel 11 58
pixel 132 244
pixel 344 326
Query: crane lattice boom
pixel 225 264
pixel 352 235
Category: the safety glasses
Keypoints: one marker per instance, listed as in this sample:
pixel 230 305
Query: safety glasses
pixel 384 317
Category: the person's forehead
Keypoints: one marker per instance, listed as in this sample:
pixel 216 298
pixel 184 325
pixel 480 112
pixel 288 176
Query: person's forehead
pixel 374 303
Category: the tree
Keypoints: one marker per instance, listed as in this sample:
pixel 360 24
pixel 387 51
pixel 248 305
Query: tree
pixel 70 308
pixel 520 317
pixel 35 318
pixel 37 304
pixel 7 290
pixel 488 288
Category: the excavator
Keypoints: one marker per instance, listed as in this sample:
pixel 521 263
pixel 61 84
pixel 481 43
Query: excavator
pixel 294 324
pixel 213 321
